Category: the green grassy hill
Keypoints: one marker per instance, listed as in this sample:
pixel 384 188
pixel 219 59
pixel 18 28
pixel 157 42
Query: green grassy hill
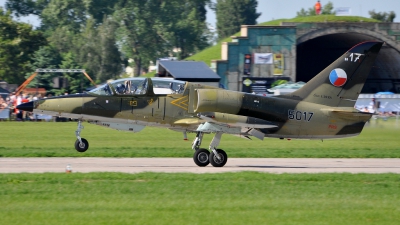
pixel 214 52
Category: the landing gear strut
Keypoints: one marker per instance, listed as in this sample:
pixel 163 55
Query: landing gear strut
pixel 81 144
pixel 218 157
pixel 202 157
pixel 197 141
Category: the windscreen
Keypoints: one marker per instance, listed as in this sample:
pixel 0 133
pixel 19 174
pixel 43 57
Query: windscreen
pixel 139 86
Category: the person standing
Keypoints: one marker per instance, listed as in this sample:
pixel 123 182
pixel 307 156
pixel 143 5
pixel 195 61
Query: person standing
pixel 318 8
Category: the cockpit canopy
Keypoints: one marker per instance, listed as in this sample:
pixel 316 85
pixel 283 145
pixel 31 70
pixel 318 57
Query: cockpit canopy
pixel 140 86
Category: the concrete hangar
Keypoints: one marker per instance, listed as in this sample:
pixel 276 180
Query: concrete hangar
pixel 299 51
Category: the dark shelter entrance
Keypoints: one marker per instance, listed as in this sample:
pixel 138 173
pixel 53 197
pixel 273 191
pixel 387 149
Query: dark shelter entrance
pixel 315 54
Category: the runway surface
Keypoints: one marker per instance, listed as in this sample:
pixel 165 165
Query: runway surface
pixel 186 165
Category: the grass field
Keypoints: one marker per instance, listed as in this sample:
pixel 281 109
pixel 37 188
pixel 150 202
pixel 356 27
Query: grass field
pixel 231 198
pixel 380 139
pixel 228 198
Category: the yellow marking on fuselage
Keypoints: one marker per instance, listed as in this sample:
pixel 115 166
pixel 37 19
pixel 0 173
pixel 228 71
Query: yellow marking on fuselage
pixel 150 101
pixel 133 103
pixel 181 102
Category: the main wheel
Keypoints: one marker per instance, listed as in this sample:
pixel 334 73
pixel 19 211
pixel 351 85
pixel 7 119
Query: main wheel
pixel 81 147
pixel 201 157
pixel 218 162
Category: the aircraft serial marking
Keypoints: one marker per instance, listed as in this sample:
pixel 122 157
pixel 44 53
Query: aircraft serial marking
pixel 133 103
pixel 299 115
pixel 353 57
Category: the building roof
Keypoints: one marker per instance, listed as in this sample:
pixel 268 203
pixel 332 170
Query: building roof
pixel 188 71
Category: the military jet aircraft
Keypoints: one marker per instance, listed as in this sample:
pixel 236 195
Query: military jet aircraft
pixel 322 109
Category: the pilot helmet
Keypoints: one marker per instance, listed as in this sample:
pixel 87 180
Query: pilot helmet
pixel 120 88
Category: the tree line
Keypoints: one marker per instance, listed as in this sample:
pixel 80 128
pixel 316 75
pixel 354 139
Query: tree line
pixel 103 36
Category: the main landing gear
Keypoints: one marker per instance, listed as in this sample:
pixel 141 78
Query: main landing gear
pixel 81 144
pixel 202 157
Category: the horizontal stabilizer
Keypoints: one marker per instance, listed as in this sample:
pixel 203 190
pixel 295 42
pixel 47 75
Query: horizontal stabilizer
pixel 347 112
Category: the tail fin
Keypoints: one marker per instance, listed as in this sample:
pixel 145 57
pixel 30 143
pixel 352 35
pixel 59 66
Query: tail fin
pixel 340 83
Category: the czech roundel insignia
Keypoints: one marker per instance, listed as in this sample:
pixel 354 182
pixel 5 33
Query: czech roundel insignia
pixel 338 77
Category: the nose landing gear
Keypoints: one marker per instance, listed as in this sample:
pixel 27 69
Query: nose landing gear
pixel 81 144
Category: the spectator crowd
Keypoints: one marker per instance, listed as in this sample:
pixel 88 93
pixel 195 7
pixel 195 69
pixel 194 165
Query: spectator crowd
pixel 8 106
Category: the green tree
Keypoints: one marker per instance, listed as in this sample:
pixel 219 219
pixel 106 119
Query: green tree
pixel 102 34
pixel 27 7
pixel 231 14
pixel 63 39
pixel 96 50
pixel 62 12
pixel 76 81
pixel 18 42
pixel 154 28
pixel 327 9
pixel 79 28
pixel 304 13
pixel 49 57
pixel 112 61
pixel 141 33
pixel 184 25
pixel 383 16
pixel 45 57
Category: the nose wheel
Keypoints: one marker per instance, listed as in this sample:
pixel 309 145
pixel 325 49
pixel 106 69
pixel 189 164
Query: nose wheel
pixel 81 144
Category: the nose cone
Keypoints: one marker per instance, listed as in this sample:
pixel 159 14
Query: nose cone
pixel 26 106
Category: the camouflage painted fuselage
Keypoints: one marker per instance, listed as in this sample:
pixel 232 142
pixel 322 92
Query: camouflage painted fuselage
pixel 273 116
pixel 323 108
